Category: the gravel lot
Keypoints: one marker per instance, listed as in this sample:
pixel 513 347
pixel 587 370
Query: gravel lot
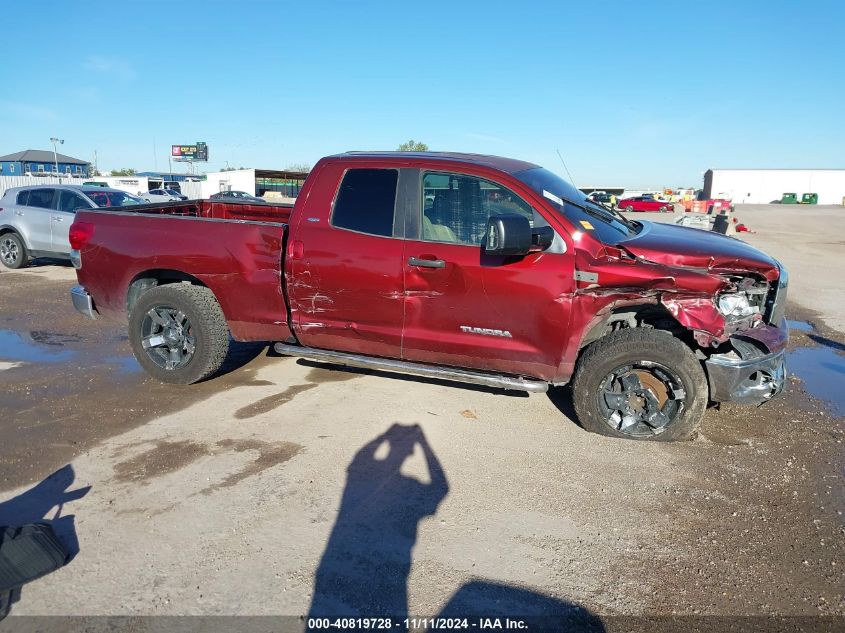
pixel 271 490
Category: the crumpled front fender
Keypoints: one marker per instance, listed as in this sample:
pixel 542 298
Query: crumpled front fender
pixel 698 314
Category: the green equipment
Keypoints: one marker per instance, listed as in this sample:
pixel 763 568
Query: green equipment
pixel 789 198
pixel 810 198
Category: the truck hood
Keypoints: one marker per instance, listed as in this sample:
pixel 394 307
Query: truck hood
pixel 687 247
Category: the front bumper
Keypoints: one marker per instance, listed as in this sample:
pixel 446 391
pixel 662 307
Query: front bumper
pixel 83 302
pixel 754 372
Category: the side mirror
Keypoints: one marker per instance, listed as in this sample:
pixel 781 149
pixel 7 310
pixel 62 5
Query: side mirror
pixel 508 235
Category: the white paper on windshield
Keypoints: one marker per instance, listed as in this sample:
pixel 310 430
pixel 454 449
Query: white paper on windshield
pixel 553 197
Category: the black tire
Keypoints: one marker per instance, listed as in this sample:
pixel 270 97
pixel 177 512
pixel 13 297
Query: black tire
pixel 13 252
pixel 629 209
pixel 654 356
pixel 185 330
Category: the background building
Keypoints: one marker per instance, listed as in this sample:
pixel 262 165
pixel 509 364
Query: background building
pixel 761 186
pixel 42 162
pixel 257 182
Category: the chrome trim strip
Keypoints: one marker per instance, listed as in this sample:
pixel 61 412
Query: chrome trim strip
pixel 418 369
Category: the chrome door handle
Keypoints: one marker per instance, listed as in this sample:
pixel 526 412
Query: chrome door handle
pixel 427 263
pixel 18 212
pixel 57 219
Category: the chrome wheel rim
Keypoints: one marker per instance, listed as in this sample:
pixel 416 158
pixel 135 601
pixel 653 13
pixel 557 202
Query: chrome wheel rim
pixel 9 251
pixel 167 337
pixel 641 399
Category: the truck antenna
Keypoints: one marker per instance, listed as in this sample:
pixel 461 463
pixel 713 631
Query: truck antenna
pixel 571 179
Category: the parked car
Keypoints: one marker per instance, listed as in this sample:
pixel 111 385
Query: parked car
pixel 645 203
pixel 34 221
pixel 239 196
pixel 459 267
pixel 603 198
pixel 163 195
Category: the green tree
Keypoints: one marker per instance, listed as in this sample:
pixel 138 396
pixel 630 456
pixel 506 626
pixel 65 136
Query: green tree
pixel 412 146
pixel 126 171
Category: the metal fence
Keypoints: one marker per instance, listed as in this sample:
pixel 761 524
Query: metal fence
pixel 7 182
pixel 191 189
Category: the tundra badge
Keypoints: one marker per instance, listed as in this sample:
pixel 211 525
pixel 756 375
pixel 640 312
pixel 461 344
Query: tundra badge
pixel 486 331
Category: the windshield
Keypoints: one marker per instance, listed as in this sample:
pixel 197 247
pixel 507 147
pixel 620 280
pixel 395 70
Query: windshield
pixel 112 198
pixel 572 203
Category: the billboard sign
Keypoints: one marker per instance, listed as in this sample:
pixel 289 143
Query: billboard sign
pixel 195 152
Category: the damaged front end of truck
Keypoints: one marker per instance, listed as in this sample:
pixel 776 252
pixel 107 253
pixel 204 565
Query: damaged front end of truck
pixel 722 297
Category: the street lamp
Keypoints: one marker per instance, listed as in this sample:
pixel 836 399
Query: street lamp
pixel 60 141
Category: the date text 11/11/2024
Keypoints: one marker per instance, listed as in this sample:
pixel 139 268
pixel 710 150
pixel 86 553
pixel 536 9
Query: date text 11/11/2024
pixel 414 624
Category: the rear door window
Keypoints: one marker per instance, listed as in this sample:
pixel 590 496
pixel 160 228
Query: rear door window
pixel 23 197
pixel 366 201
pixel 41 198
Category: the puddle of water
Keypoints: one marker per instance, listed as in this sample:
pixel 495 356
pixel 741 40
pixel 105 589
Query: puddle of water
pixel 15 346
pixel 54 338
pixel 822 369
pixel 801 326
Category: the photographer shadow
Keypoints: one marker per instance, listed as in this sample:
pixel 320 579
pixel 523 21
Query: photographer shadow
pixel 34 506
pixel 364 569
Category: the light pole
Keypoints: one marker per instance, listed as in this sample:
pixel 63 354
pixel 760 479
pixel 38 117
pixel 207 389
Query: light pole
pixel 60 141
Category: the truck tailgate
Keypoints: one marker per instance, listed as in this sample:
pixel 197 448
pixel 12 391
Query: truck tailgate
pixel 239 261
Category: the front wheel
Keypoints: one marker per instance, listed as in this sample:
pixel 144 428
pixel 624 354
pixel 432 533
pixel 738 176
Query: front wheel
pixel 13 251
pixel 178 333
pixel 640 384
pixel 629 208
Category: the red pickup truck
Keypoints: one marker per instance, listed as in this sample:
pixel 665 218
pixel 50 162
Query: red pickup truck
pixel 463 267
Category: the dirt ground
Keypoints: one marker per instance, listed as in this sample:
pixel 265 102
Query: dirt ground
pixel 285 487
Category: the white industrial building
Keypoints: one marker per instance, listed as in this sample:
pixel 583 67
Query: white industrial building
pixel 269 183
pixel 761 186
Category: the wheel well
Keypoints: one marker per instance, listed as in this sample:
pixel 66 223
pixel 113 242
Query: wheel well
pixel 153 278
pixel 654 316
pixel 7 229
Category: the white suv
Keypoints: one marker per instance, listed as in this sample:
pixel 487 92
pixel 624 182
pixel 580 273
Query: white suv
pixel 34 221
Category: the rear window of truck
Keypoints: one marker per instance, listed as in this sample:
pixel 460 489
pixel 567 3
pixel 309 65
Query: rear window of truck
pixel 366 201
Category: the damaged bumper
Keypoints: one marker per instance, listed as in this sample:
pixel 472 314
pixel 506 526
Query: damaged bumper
pixel 753 372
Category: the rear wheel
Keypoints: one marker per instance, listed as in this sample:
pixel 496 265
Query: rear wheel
pixel 629 208
pixel 640 384
pixel 178 333
pixel 12 251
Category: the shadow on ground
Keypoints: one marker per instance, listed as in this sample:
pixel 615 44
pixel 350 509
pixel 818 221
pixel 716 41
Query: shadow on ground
pixel 36 506
pixel 364 569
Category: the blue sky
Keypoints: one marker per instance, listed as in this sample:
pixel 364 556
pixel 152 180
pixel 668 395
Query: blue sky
pixel 632 93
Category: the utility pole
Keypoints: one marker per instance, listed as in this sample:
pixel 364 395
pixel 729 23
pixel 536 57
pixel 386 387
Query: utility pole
pixel 60 141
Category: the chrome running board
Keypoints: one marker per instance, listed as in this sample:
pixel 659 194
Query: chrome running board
pixel 417 369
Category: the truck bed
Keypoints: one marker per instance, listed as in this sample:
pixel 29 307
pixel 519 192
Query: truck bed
pixel 234 249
